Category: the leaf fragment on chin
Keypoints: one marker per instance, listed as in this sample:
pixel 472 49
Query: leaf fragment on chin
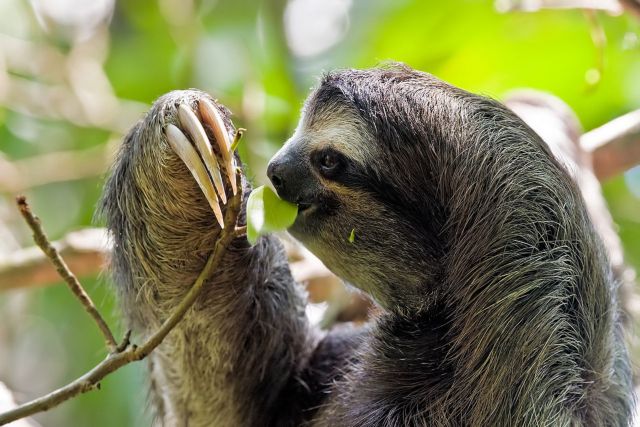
pixel 183 148
pixel 352 235
pixel 190 121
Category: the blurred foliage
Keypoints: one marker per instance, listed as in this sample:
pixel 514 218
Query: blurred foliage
pixel 260 58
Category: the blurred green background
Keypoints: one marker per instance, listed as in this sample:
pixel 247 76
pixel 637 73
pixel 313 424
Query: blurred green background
pixel 75 74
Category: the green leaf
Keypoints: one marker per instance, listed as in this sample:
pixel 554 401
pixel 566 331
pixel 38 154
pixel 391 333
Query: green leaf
pixel 352 236
pixel 266 212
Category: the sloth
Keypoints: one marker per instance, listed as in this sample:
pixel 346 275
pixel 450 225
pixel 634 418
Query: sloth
pixel 497 304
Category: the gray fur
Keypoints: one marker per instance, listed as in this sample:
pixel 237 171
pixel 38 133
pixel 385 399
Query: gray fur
pixel 499 303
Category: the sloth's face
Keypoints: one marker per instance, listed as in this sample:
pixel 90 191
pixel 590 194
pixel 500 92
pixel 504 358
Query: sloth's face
pixel 343 216
pixel 318 169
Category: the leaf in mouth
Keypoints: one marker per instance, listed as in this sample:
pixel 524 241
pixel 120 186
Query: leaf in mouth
pixel 266 212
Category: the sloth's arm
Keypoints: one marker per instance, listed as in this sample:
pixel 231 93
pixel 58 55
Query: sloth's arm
pixel 245 353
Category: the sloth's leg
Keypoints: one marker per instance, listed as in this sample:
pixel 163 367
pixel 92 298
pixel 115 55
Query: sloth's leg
pixel 244 354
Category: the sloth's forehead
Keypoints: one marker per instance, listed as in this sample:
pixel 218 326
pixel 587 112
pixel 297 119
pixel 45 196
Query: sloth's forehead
pixel 340 131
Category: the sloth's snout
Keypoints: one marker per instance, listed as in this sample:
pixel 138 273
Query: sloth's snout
pixel 290 177
pixel 282 175
pixel 274 172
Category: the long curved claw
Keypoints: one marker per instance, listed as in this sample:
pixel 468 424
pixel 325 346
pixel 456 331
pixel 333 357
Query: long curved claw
pixel 190 121
pixel 212 117
pixel 191 159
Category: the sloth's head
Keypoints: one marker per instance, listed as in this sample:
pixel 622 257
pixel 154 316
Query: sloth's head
pixel 364 189
pixel 366 167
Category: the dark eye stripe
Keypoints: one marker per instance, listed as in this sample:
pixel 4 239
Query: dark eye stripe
pixel 330 163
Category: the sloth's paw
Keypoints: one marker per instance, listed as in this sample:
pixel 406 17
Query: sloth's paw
pixel 203 144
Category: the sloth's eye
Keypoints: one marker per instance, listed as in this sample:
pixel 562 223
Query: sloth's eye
pixel 328 162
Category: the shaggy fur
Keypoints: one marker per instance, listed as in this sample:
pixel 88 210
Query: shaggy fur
pixel 247 335
pixel 499 306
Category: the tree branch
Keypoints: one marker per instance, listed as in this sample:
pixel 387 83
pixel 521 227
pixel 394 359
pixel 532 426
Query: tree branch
pixel 7 401
pixel 85 252
pixel 615 146
pixel 51 252
pixel 20 175
pixel 632 6
pixel 611 6
pixel 125 353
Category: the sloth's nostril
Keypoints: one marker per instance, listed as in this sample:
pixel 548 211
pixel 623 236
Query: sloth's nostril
pixel 276 181
pixel 275 175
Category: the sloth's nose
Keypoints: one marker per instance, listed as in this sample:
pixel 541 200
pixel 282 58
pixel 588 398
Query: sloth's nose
pixel 280 172
pixel 274 172
pixel 288 176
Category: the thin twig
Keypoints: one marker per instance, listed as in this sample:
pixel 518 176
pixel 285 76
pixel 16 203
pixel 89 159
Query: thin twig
pixel 236 139
pixel 43 242
pixel 125 353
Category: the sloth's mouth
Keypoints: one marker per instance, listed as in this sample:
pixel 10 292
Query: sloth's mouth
pixel 303 206
pixel 308 204
pixel 317 204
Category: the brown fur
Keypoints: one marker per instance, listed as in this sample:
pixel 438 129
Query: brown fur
pixel 499 306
